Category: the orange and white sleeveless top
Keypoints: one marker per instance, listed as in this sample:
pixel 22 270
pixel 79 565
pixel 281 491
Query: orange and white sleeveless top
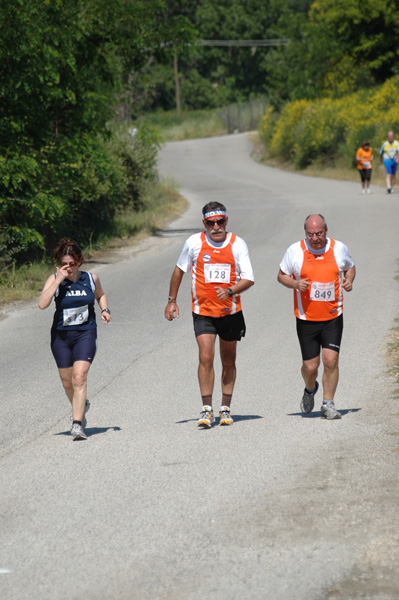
pixel 323 299
pixel 215 265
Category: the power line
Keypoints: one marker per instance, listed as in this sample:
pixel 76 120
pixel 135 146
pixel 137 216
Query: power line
pixel 250 43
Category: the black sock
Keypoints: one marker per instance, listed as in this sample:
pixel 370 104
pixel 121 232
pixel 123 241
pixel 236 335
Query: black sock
pixel 226 399
pixel 207 400
pixel 77 422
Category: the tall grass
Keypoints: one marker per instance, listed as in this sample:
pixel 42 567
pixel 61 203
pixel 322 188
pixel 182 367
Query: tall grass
pixel 190 125
pixel 241 116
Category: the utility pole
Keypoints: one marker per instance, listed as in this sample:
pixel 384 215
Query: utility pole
pixel 177 85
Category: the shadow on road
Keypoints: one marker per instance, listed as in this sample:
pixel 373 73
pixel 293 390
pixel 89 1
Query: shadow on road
pixel 92 430
pixel 236 418
pixel 317 414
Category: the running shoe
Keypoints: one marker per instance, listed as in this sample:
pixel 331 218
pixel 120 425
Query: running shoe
pixel 368 191
pixel 77 432
pixel 225 416
pixel 389 190
pixel 329 412
pixel 207 417
pixel 307 402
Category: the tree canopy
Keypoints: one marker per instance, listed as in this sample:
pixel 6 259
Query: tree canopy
pixel 336 47
pixel 64 67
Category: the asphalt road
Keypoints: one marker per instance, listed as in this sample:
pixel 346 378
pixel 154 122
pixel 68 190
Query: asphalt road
pixel 279 506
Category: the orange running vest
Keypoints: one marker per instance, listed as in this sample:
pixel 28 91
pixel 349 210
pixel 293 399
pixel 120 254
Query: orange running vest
pixel 214 267
pixel 323 299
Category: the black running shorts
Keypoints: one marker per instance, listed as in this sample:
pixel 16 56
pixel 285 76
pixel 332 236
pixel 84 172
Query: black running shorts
pixel 69 346
pixel 229 328
pixel 365 174
pixel 314 335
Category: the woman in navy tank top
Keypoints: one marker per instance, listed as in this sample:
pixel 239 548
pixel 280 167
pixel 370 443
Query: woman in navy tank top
pixel 74 330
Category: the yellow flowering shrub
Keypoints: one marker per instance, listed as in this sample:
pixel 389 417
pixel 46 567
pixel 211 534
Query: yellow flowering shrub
pixel 267 125
pixel 283 142
pixel 331 129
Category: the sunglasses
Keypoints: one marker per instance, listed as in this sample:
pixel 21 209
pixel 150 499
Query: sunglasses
pixel 218 222
pixel 71 264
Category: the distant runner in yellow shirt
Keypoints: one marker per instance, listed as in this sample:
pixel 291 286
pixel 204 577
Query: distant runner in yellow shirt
pixel 390 154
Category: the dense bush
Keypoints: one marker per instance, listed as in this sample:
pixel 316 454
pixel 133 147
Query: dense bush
pixel 331 129
pixel 65 66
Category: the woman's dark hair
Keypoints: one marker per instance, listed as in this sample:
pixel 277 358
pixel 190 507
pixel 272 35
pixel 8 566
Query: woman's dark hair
pixel 67 247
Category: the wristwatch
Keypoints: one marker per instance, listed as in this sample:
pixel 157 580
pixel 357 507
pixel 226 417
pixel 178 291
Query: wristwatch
pixel 230 292
pixel 170 299
pixel 106 310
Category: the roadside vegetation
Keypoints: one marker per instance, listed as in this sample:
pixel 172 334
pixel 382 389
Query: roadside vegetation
pixel 163 203
pixel 189 125
pixel 329 130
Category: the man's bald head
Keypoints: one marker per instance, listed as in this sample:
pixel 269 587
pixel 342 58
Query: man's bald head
pixel 315 221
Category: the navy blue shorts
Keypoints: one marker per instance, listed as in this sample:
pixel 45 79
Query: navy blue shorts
pixel 69 346
pixel 314 335
pixel 230 328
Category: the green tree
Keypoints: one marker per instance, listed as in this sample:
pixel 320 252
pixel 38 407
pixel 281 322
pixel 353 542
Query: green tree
pixel 337 47
pixel 64 66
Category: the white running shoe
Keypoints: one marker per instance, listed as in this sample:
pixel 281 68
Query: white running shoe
pixel 368 191
pixel 329 412
pixel 225 416
pixel 77 432
pixel 207 417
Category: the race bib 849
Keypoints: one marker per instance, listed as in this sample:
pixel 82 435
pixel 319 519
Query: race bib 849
pixel 322 292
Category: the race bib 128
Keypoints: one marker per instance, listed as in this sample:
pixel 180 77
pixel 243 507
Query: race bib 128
pixel 217 273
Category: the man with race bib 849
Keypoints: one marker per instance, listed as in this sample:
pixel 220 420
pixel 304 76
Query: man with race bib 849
pixel 318 269
pixel 220 271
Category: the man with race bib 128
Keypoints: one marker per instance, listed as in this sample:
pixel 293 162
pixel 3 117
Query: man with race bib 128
pixel 220 271
pixel 389 153
pixel 318 269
